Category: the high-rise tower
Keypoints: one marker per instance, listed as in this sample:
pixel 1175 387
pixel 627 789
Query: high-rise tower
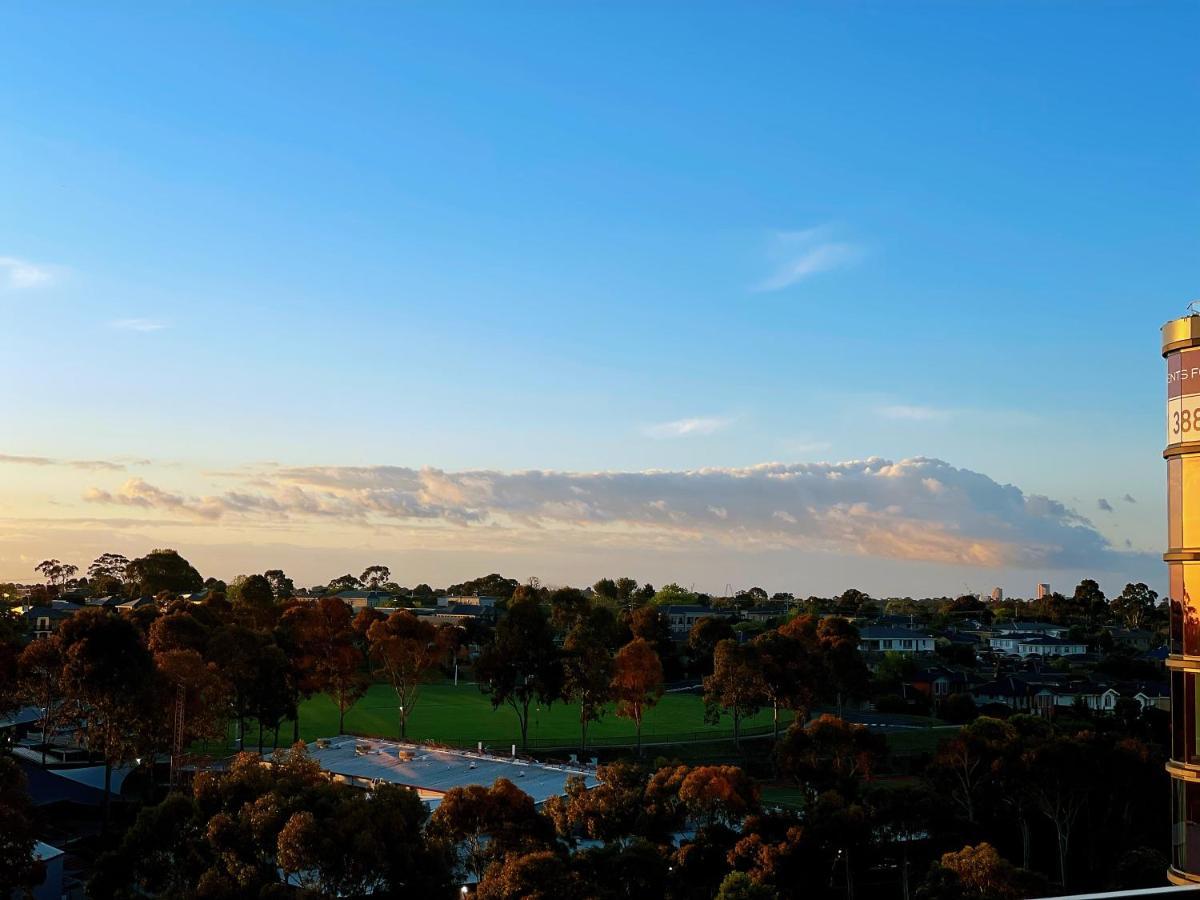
pixel 1181 348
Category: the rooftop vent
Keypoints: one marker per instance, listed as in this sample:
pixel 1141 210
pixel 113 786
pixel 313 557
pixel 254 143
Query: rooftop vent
pixel 322 743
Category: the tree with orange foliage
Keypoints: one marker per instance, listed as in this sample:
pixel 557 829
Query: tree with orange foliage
pixel 404 650
pixel 719 795
pixel 976 872
pixel 829 753
pixel 336 664
pixel 637 683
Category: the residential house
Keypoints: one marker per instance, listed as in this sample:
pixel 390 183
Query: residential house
pixel 681 618
pixel 360 599
pixel 1049 646
pixel 889 638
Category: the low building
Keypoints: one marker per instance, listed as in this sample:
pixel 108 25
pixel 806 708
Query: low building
pixel 432 772
pixel 53 879
pixel 43 621
pixel 938 682
pixel 765 612
pixel 457 614
pixel 364 598
pixel 891 639
pixel 481 601
pixel 1049 646
pixel 681 618
pixel 1046 629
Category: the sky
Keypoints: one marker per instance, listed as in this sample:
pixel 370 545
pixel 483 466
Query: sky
pixel 806 296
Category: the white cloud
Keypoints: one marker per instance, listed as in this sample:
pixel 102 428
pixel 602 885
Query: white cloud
pixel 916 509
pixel 907 413
pixel 87 464
pixel 694 427
pixel 143 325
pixel 798 255
pixel 19 274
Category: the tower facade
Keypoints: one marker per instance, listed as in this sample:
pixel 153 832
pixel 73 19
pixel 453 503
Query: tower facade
pixel 1181 349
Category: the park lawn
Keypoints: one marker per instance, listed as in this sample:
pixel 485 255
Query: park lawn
pixel 786 795
pixel 919 740
pixel 462 715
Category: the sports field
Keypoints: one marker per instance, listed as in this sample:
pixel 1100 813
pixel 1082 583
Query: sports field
pixel 462 715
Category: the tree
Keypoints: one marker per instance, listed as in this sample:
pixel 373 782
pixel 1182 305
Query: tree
pixel 493 585
pixel 614 811
pixel 336 662
pixel 718 795
pixel 587 669
pixel 637 683
pixel 299 635
pixel 568 606
pixel 254 667
pixel 108 678
pixel 735 686
pixel 1135 605
pixel 345 582
pixel 1091 600
pixel 829 753
pixel 1064 770
pixel 702 642
pixel 739 886
pixel 107 573
pixel 198 693
pixel 976 872
pixel 253 595
pixel 625 589
pixel 282 587
pixel 673 594
pixel 963 767
pixel 538 875
pixel 162 570
pixel 56 572
pixel 19 869
pixel 40 682
pixel 788 672
pixel 844 669
pixel 606 589
pixel 374 577
pixel 272 696
pixel 651 625
pixel 365 847
pixel 404 650
pixel 522 663
pixel 902 816
pixel 488 824
pixel 849 601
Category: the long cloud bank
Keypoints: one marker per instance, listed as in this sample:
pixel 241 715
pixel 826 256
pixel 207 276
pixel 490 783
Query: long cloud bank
pixel 914 509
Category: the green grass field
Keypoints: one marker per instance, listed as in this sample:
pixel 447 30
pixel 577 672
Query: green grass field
pixel 462 715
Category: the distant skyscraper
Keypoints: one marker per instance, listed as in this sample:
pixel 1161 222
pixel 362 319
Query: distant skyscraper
pixel 997 594
pixel 1042 590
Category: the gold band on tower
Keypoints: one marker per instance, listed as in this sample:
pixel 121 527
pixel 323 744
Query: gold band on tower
pixel 1181 348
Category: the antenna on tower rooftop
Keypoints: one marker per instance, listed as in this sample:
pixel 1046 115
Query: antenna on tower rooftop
pixel 1191 307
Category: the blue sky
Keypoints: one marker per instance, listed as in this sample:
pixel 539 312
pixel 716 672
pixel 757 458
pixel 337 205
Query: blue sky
pixel 595 237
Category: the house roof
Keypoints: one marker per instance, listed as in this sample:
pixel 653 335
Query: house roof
pixel 685 608
pixel 876 632
pixel 1039 641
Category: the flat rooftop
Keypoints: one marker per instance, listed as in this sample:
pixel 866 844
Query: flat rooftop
pixel 432 772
